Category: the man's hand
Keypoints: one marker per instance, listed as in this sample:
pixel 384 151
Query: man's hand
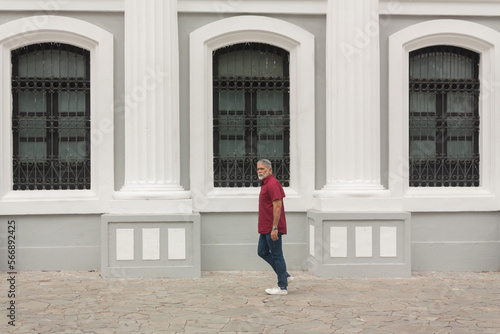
pixel 274 235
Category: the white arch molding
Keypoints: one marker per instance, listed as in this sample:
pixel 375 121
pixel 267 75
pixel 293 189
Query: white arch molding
pixel 60 29
pixel 261 29
pixel 465 34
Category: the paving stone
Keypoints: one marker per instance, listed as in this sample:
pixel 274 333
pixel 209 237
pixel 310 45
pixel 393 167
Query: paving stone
pixel 242 326
pixel 235 302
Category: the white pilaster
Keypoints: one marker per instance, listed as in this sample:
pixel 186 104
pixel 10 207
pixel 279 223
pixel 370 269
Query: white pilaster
pixel 353 88
pixel 152 151
pixel 353 109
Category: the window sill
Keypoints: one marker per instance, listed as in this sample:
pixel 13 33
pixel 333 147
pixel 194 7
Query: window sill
pixel 49 202
pixel 245 200
pixel 450 200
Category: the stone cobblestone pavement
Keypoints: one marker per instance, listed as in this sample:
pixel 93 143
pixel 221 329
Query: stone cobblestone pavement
pixel 235 302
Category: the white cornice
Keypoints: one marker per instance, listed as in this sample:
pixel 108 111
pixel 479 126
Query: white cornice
pixel 441 7
pixel 310 7
pixel 254 6
pixel 46 6
pixel 391 7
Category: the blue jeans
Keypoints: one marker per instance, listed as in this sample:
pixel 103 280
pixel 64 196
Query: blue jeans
pixel 272 252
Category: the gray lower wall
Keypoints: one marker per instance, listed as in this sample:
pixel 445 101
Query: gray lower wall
pixel 53 242
pixel 173 255
pixel 465 241
pixel 73 242
pixel 462 241
pixel 229 242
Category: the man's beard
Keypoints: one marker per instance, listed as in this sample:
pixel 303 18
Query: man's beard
pixel 263 176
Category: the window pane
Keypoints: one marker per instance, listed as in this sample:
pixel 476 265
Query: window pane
pixel 72 151
pixel 71 65
pixel 44 63
pixel 32 127
pixel 270 125
pixel 422 102
pixel 72 127
pixel 252 63
pixel 272 148
pixel 30 102
pixel 460 127
pixel 269 101
pixel 459 149
pixel 32 152
pixel 441 63
pixel 232 149
pixel 422 149
pixel 460 103
pixel 71 102
pixel 422 127
pixel 232 125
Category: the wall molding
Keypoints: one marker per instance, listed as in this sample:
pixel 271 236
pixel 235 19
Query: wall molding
pixel 308 7
pixel 441 8
pixel 38 29
pixel 254 7
pixel 459 33
pixel 49 6
pixel 300 44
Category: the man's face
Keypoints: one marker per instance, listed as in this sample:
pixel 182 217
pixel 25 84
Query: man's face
pixel 263 171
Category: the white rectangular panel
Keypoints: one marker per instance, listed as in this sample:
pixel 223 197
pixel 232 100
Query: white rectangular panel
pixel 388 241
pixel 364 241
pixel 150 243
pixel 338 241
pixel 176 243
pixel 124 244
pixel 311 240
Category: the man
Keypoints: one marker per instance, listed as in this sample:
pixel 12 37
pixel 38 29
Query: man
pixel 272 225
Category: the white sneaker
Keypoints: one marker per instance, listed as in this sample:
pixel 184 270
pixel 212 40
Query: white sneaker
pixel 289 279
pixel 277 291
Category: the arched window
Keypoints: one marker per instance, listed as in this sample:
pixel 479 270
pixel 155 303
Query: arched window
pixel 444 117
pixel 51 117
pixel 280 119
pixel 251 116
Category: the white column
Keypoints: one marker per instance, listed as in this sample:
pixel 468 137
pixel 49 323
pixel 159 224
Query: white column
pixel 152 151
pixel 353 101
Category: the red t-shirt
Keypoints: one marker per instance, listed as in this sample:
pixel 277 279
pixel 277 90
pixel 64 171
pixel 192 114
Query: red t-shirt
pixel 270 191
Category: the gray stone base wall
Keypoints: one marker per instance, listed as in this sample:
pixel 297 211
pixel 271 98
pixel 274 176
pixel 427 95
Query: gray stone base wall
pixel 229 242
pixel 371 244
pixel 53 242
pixel 456 241
pixel 150 245
pixel 468 241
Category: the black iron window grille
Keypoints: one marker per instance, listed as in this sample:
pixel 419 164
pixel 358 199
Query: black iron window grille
pixel 444 117
pixel 251 118
pixel 51 117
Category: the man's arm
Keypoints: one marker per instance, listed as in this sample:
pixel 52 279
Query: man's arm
pixel 277 204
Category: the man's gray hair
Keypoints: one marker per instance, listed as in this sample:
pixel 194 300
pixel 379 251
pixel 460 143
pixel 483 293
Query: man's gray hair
pixel 265 162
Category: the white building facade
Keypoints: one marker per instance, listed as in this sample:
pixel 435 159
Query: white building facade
pixel 131 130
